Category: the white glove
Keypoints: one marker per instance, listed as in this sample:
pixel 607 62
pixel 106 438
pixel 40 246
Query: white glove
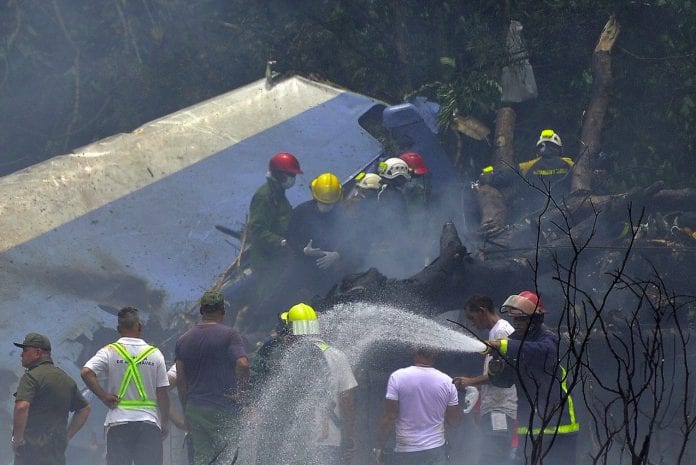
pixel 311 251
pixel 471 396
pixel 327 260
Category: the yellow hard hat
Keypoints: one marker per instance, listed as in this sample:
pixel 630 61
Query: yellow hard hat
pixel 549 135
pixel 302 319
pixel 326 188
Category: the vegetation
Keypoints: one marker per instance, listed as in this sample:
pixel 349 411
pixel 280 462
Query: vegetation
pixel 73 72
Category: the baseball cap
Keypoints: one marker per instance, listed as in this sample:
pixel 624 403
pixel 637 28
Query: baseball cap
pixel 211 299
pixel 35 340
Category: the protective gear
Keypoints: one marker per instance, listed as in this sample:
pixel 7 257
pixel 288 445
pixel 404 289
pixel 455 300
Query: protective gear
pixel 392 168
pixel 326 188
pixel 327 260
pixel 549 135
pixel 288 182
pixel 284 163
pixel 525 303
pixel 471 395
pixel 368 181
pixel 415 162
pixel 311 251
pixel 302 320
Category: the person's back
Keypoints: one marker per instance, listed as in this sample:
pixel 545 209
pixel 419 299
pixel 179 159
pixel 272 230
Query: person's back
pixel 419 401
pixel 209 351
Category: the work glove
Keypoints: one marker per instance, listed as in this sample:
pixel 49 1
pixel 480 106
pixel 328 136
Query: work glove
pixel 311 251
pixel 327 260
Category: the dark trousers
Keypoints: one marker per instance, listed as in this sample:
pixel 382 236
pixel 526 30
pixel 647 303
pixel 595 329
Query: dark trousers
pixel 50 454
pixel 558 450
pixel 436 456
pixel 134 443
pixel 496 445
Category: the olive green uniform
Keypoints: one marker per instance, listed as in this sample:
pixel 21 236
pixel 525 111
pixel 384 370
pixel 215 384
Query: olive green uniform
pixel 52 395
pixel 269 215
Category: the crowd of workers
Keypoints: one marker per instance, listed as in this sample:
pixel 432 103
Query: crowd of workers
pixel 306 249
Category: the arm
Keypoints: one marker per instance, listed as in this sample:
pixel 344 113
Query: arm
pixel 345 406
pixel 162 394
pixel 90 379
pixel 386 425
pixel 181 383
pixel 453 415
pixel 78 420
pixel 241 371
pixel 463 381
pixel 21 415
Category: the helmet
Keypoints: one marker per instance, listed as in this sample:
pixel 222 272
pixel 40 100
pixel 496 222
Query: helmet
pixel 368 181
pixel 415 162
pixel 548 135
pixel 302 320
pixel 326 188
pixel 285 163
pixel 526 303
pixel 392 168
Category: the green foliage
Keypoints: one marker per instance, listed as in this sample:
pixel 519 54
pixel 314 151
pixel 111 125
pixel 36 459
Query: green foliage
pixel 75 71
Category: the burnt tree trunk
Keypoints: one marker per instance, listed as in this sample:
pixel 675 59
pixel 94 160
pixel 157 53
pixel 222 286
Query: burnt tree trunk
pixel 491 202
pixel 581 182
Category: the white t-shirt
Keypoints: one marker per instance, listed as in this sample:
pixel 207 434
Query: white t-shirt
pixel 497 399
pixel 424 393
pixel 109 367
pixel 342 379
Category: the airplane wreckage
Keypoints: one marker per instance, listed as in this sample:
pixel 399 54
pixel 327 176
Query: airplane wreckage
pixel 131 220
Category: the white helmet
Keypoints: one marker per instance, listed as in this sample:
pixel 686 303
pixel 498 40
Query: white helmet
pixel 549 135
pixel 368 181
pixel 392 168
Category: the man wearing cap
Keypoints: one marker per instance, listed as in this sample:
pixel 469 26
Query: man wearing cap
pixel 130 377
pixel 45 397
pixel 529 358
pixel 212 375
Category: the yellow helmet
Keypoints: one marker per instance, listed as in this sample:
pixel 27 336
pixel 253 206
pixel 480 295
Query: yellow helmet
pixel 326 188
pixel 549 135
pixel 302 319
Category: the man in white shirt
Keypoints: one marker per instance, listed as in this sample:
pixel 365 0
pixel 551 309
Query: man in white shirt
pixel 498 408
pixel 420 400
pixel 130 377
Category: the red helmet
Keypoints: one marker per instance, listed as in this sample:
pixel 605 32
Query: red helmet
pixel 415 162
pixel 525 303
pixel 285 163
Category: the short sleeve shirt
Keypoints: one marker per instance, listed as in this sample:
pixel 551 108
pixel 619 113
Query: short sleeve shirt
pixel 209 353
pixel 110 369
pixel 423 393
pixel 52 394
pixel 493 398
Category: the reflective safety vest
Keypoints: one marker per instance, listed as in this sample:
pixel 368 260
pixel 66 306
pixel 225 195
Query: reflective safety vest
pixel 528 165
pixel 571 427
pixel 132 374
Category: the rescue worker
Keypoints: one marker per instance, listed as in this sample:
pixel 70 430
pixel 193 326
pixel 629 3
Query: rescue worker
pixel 322 385
pixel 319 238
pixel 548 168
pixel 395 174
pixel 417 189
pixel 130 377
pixel 528 358
pixel 269 215
pixel 364 194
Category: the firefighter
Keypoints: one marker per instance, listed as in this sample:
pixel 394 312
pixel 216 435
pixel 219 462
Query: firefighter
pixel 528 358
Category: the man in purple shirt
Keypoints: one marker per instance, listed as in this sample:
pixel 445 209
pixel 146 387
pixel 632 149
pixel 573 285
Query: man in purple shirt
pixel 212 375
pixel 420 399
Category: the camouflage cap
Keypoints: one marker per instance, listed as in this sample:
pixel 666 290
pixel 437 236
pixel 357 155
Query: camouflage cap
pixel 35 340
pixel 211 299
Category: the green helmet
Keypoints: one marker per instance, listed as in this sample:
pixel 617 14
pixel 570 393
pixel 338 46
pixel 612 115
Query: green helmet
pixel 302 320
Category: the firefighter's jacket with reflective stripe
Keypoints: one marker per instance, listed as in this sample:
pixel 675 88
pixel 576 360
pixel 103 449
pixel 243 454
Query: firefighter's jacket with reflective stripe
pixel 542 388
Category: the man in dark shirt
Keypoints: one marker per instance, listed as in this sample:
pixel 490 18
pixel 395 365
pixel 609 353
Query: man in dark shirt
pixel 212 375
pixel 44 398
